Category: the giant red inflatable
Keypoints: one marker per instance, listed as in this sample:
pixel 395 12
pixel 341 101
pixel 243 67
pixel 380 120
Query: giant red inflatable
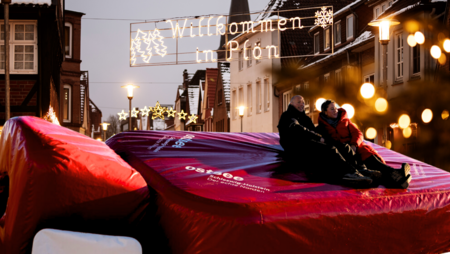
pixel 62 179
pixel 232 193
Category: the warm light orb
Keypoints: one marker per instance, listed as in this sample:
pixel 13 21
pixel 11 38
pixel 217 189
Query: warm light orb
pixel 350 110
pixel 367 90
pixel 447 45
pixel 319 103
pixel 435 52
pixel 130 88
pixel 445 114
pixel 388 144
pixel 381 104
pixel 419 37
pixel 404 121
pixel 412 40
pixel 371 133
pixel 241 110
pixel 427 115
pixel 407 132
pixel 104 126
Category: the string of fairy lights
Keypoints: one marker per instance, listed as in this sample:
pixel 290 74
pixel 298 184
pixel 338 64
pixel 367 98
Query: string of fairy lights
pixel 158 112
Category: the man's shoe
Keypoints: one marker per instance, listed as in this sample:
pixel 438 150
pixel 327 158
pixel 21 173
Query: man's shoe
pixel 374 174
pixel 401 178
pixel 356 179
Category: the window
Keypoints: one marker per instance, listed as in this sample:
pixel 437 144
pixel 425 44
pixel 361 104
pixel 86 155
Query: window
pixel 316 44
pixel 249 55
pixel 258 97
pixel 350 22
pixel 369 79
pixel 241 61
pixel 337 32
pixel 249 99
pixel 326 78
pixel 297 89
pixel 219 97
pixel 241 96
pixel 398 55
pixel 307 103
pixel 67 104
pixel 416 59
pixel 287 99
pixel 23 47
pixel 266 94
pixel 338 77
pixel 383 8
pixel 258 44
pixel 390 3
pixel 233 104
pixel 377 12
pixel 326 39
pixel 68 40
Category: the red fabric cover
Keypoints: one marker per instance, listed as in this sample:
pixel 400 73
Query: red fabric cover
pixel 347 132
pixel 258 207
pixel 62 179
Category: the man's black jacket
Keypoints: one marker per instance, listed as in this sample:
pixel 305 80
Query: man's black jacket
pixel 296 131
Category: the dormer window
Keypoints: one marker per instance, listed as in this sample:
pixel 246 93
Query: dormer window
pixel 316 43
pixel 326 38
pixel 350 26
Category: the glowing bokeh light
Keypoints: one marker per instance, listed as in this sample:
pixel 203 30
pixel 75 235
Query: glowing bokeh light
pixel 427 115
pixel 388 144
pixel 411 40
pixel 350 110
pixel 435 52
pixel 420 38
pixel 367 90
pixel 381 104
pixel 447 45
pixel 442 59
pixel 445 114
pixel 407 132
pixel 404 121
pixel 371 133
pixel 319 103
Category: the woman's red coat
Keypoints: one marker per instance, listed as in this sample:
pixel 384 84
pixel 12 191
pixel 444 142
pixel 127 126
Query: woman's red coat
pixel 347 132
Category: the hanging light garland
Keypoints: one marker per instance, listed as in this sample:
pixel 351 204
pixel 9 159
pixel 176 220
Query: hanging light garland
pixel 158 112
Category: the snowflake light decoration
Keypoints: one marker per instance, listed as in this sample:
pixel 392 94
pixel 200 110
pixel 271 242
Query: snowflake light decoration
pixel 324 17
pixel 122 115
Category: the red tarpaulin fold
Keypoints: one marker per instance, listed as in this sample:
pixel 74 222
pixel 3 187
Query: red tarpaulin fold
pixel 232 193
pixel 62 179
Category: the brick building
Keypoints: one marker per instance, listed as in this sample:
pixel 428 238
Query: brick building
pixel 36 56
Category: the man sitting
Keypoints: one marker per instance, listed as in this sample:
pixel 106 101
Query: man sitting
pixel 306 149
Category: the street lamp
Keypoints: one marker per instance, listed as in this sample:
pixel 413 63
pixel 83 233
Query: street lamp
pixel 241 114
pixel 105 127
pixel 384 37
pixel 383 26
pixel 130 88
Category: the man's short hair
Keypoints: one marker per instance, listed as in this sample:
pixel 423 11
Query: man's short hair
pixel 294 97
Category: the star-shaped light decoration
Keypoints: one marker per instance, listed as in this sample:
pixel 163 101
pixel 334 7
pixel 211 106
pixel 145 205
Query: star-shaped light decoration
pixel 158 111
pixel 182 115
pixel 193 118
pixel 122 115
pixel 145 111
pixel 171 112
pixel 324 17
pixel 134 112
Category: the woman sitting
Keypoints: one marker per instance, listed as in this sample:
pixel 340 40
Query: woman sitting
pixel 336 127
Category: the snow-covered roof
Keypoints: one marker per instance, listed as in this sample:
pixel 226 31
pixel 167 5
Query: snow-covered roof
pixel 41 2
pixel 226 81
pixel 180 91
pixel 270 7
pixel 193 92
pixel 401 11
pixel 367 35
